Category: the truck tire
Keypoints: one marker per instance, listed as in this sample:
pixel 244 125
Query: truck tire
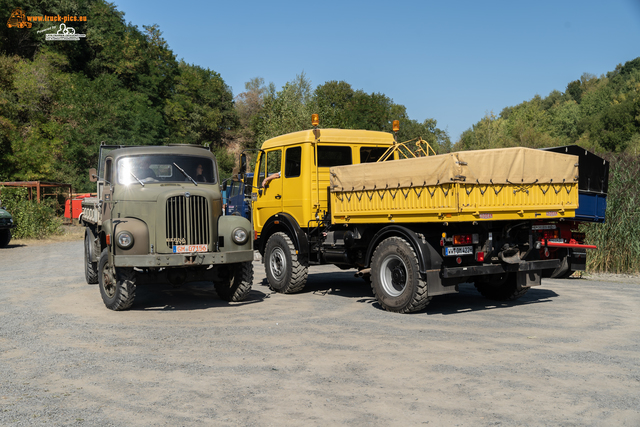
pixel 395 277
pixel 238 286
pixel 90 267
pixel 284 272
pixel 5 238
pixel 117 286
pixel 500 287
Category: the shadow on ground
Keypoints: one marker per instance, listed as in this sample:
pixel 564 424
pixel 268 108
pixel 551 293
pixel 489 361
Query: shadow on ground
pixel 344 284
pixel 190 296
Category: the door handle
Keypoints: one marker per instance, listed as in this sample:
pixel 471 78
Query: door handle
pixel 278 196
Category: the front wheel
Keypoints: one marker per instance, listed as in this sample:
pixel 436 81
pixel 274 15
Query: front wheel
pixel 117 285
pixel 500 287
pixel 285 273
pixel 5 238
pixel 238 285
pixel 395 277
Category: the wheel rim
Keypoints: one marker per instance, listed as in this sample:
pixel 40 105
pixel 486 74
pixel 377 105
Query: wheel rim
pixel 107 282
pixel 278 263
pixel 393 275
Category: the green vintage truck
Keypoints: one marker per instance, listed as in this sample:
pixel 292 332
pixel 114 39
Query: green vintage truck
pixel 6 224
pixel 158 218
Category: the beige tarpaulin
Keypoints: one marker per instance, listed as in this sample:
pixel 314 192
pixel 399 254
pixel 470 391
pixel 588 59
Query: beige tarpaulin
pixel 516 165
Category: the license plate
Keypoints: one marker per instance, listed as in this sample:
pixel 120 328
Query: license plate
pixel 458 250
pixel 185 249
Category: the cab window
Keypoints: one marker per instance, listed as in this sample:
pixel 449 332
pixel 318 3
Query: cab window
pixel 332 155
pixel 372 154
pixel 292 159
pixel 235 189
pixel 270 163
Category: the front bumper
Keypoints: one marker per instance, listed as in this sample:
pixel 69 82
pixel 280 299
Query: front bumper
pixel 182 260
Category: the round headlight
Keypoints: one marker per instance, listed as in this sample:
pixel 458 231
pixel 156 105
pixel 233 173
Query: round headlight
pixel 125 240
pixel 240 236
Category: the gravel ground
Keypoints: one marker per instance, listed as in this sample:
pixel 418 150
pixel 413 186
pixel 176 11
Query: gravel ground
pixel 567 353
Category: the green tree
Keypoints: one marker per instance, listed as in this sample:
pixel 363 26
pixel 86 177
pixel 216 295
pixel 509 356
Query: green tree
pixel 287 110
pixel 201 110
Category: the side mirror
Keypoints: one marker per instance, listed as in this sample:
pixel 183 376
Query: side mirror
pixel 93 175
pixel 243 163
pixel 224 186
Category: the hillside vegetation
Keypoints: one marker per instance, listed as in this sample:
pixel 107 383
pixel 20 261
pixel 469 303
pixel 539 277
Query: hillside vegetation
pixel 123 85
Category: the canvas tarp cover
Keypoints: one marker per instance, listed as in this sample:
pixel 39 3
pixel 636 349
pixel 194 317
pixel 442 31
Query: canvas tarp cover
pixel 516 165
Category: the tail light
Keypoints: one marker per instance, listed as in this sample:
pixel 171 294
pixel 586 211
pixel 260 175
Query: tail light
pixel 550 234
pixel 462 239
pixel 480 256
pixel 465 239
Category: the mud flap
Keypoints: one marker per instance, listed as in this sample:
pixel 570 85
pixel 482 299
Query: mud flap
pixel 527 279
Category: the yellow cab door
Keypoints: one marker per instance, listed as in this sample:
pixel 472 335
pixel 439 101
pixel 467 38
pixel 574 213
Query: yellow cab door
pixel 295 192
pixel 269 201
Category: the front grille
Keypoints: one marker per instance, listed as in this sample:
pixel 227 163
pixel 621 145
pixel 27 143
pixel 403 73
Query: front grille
pixel 187 221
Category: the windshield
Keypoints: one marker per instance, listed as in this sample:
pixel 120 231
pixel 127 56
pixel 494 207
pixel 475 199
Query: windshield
pixel 157 168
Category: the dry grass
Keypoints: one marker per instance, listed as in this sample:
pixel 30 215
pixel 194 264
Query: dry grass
pixel 69 233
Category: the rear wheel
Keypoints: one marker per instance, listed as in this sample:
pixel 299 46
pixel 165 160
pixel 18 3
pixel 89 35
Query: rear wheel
pixel 285 273
pixel 500 287
pixel 238 285
pixel 117 285
pixel 395 277
pixel 90 267
pixel 5 238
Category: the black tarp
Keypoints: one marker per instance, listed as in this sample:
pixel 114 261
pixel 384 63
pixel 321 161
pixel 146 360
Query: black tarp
pixel 593 170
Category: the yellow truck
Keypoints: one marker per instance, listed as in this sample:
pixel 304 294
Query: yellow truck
pixel 414 228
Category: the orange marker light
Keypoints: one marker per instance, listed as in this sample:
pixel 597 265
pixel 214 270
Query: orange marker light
pixel 396 125
pixel 315 120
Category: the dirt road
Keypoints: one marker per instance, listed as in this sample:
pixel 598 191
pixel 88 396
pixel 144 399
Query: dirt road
pixel 567 354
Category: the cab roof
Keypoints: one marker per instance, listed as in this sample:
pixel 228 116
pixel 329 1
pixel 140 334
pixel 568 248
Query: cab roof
pixel 189 150
pixel 332 136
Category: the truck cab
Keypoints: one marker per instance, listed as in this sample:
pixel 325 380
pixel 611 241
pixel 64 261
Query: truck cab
pixel 303 161
pixel 158 216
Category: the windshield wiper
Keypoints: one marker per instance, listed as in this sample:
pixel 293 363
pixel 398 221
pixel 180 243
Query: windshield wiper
pixel 137 179
pixel 185 174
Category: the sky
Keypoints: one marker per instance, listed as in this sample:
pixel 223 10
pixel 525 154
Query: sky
pixel 453 61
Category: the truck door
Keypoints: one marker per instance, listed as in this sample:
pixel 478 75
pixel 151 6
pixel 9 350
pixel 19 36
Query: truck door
pixel 107 190
pixel 269 200
pixel 295 194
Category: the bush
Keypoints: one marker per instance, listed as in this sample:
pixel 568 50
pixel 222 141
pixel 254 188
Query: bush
pixel 618 239
pixel 34 220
